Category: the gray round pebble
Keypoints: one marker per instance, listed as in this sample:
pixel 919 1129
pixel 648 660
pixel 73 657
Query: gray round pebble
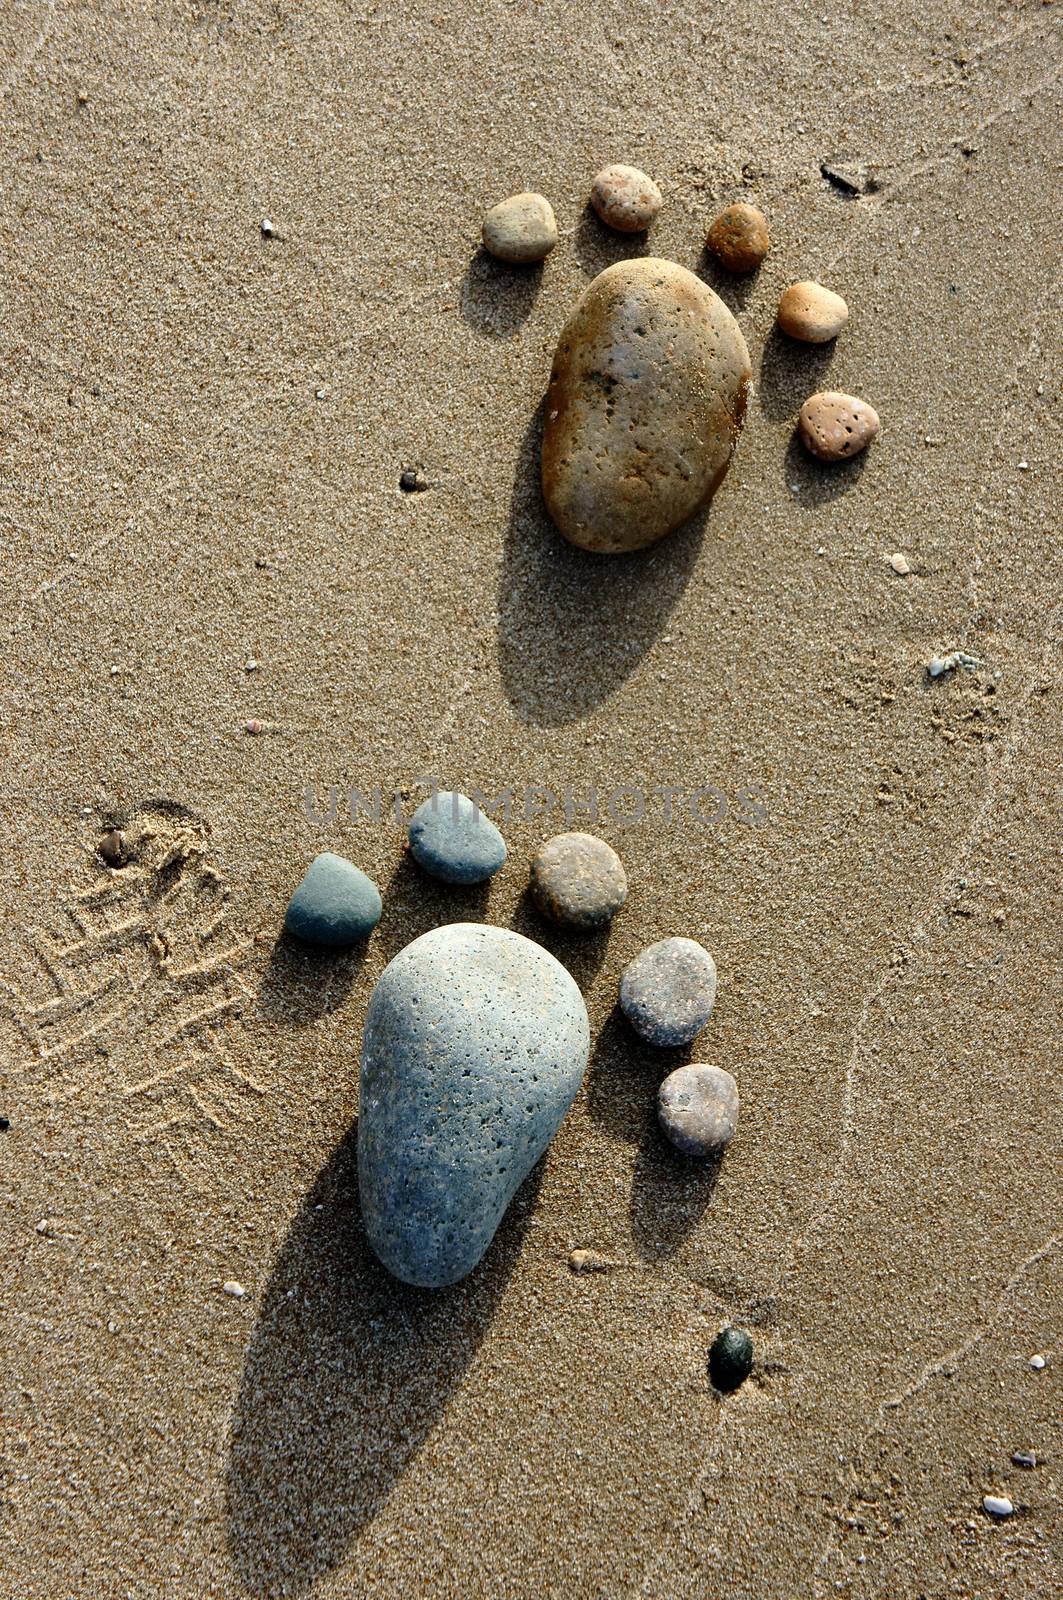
pixel 697 1108
pixel 667 992
pixel 335 906
pixel 452 839
pixel 578 880
pixel 475 1043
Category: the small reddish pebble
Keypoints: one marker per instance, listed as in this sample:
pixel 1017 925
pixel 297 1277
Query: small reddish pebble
pixel 253 725
pixel 835 426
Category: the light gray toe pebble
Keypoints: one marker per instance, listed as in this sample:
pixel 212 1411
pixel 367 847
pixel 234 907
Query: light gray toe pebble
pixel 475 1044
pixel 521 229
pixel 667 992
pixel 579 880
pixel 697 1108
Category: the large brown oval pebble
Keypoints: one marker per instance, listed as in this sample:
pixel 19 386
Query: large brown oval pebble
pixel 739 237
pixel 520 229
pixel 835 426
pixel 809 312
pixel 646 400
pixel 625 198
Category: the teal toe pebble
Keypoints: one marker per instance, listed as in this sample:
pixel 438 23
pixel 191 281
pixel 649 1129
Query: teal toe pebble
pixel 335 906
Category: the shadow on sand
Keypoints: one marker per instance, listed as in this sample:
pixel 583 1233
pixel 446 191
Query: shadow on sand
pixel 415 902
pixel 301 983
pixel 496 298
pixel 670 1192
pixel 346 1374
pixel 573 625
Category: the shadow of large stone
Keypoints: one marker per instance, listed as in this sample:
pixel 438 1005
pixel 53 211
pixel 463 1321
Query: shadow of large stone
pixel 346 1374
pixel 572 625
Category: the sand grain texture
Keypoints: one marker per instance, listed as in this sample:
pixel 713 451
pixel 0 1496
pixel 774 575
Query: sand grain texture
pixel 175 498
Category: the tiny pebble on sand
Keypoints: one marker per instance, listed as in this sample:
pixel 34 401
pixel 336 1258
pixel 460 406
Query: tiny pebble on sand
pixel 997 1505
pixel 1024 1458
pixel 582 1261
pixel 730 1359
pixel 1038 1363
pixel 625 198
pixel 237 1290
pixel 899 564
pixel 114 848
pixel 937 665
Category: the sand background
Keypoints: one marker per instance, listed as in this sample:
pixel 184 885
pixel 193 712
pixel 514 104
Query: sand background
pixel 174 498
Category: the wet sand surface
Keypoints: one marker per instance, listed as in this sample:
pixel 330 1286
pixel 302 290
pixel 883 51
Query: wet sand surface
pixel 202 436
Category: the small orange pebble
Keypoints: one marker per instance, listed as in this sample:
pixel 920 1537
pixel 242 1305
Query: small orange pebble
pixel 811 313
pixel 738 238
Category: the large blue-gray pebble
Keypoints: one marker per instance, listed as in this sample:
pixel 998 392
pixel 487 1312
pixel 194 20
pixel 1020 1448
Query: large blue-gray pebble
pixel 335 906
pixel 667 992
pixel 475 1044
pixel 452 839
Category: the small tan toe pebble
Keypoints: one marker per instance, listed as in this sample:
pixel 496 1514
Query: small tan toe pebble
pixel 811 313
pixel 835 426
pixel 520 229
pixel 625 198
pixel 739 238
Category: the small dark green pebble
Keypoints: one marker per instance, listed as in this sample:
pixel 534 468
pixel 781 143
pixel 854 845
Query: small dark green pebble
pixel 5 1123
pixel 730 1359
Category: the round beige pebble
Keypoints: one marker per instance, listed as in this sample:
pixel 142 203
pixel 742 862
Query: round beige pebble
pixel 625 198
pixel 739 238
pixel 578 880
pixel 811 313
pixel 835 426
pixel 520 229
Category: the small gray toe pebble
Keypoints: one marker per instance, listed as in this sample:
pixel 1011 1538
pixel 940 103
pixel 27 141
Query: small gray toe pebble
pixel 667 992
pixel 578 880
pixel 452 839
pixel 697 1108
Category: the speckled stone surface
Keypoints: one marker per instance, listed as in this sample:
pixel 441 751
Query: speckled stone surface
pixel 335 906
pixel 475 1043
pixel 578 880
pixel 647 396
pixel 452 839
pixel 697 1108
pixel 667 992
